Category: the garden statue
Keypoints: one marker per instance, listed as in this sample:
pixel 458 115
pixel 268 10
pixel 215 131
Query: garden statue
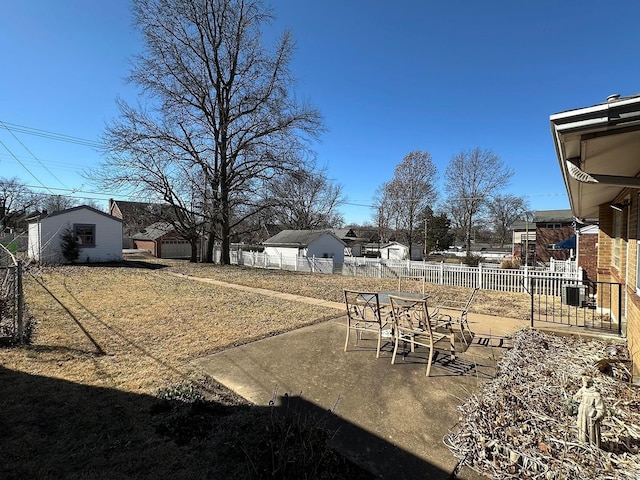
pixel 590 412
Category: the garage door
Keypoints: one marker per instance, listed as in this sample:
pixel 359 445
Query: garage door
pixel 175 249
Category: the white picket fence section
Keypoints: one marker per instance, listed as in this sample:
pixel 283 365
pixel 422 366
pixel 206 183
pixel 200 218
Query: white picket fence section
pixel 279 262
pixel 484 276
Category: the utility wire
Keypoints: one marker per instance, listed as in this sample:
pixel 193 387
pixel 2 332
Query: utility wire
pixel 2 124
pixel 12 127
pixel 42 185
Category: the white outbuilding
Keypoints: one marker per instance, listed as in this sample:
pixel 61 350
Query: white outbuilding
pixel 306 243
pixel 99 235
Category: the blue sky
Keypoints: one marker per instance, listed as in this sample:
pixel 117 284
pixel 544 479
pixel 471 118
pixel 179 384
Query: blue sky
pixel 389 78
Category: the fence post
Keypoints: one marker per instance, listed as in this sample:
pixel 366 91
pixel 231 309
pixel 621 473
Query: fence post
pixel 441 273
pixel 480 283
pixel 313 264
pixel 532 285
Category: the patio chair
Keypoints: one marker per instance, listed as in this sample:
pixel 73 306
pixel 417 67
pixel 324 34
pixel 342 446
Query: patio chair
pixel 412 324
pixel 363 315
pixel 455 313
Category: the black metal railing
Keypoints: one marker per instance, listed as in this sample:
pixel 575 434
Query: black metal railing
pixel 592 305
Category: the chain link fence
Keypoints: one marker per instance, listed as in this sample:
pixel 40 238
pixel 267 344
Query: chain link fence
pixel 13 328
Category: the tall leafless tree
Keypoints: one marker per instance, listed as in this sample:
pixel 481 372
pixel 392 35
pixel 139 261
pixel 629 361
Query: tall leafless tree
pixel 307 201
pixel 15 200
pixel 503 211
pixel 55 203
pixel 471 178
pixel 217 113
pixel 411 190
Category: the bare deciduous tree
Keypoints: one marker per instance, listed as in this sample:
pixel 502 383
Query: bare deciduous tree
pixel 407 195
pixel 15 199
pixel 307 201
pixel 218 114
pixel 503 211
pixel 470 179
pixel 55 203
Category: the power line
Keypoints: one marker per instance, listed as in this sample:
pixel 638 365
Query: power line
pixel 2 124
pixel 12 127
pixel 24 166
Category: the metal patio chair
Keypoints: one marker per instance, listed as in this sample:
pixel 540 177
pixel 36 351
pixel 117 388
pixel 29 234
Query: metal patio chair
pixel 412 324
pixel 455 313
pixel 363 316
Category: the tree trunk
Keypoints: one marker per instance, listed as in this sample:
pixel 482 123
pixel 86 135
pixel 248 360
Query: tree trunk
pixel 194 250
pixel 211 241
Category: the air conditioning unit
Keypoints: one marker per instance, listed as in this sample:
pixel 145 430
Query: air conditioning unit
pixel 573 294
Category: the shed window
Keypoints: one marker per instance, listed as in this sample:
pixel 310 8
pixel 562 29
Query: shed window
pixel 85 234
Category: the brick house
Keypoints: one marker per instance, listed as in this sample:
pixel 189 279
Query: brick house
pixel 598 148
pixel 538 238
pixel 136 216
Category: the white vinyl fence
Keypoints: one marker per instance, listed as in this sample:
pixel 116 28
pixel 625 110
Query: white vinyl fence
pixel 484 276
pixel 279 262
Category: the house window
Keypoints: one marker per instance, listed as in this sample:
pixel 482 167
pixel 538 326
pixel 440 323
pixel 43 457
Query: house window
pixel 85 235
pixel 617 237
pixel 553 226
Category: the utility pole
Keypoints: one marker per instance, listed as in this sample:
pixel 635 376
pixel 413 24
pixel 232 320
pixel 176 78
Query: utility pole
pixel 425 238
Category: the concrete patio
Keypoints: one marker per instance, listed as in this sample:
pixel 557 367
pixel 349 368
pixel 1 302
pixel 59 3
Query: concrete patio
pixel 390 419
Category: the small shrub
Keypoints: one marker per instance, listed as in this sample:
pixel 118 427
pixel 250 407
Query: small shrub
pixel 69 245
pixel 510 263
pixel 473 260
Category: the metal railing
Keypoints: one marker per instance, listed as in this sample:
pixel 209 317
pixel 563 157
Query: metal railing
pixel 592 305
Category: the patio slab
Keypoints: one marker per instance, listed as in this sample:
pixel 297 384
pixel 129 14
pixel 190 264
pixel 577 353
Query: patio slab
pixel 390 419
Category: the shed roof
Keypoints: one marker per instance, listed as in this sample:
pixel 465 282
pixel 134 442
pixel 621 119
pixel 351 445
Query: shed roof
pixel 154 231
pixel 43 215
pixel 297 238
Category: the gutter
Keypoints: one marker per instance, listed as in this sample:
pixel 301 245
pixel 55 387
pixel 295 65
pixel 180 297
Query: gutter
pixel 599 118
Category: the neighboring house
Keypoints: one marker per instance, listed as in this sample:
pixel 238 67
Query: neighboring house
pixel 598 148
pixel 136 216
pixel 552 227
pixel 306 243
pixel 162 241
pixel 353 243
pixel 99 235
pixel 538 239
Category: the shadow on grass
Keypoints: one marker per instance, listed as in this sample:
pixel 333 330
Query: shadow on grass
pixel 54 428
pixel 141 264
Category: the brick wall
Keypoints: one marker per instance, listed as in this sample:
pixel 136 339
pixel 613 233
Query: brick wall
pixel 146 245
pixel 607 272
pixel 633 301
pixel 588 256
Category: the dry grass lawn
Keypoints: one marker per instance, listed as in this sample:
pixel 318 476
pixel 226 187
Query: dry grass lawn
pixel 105 388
